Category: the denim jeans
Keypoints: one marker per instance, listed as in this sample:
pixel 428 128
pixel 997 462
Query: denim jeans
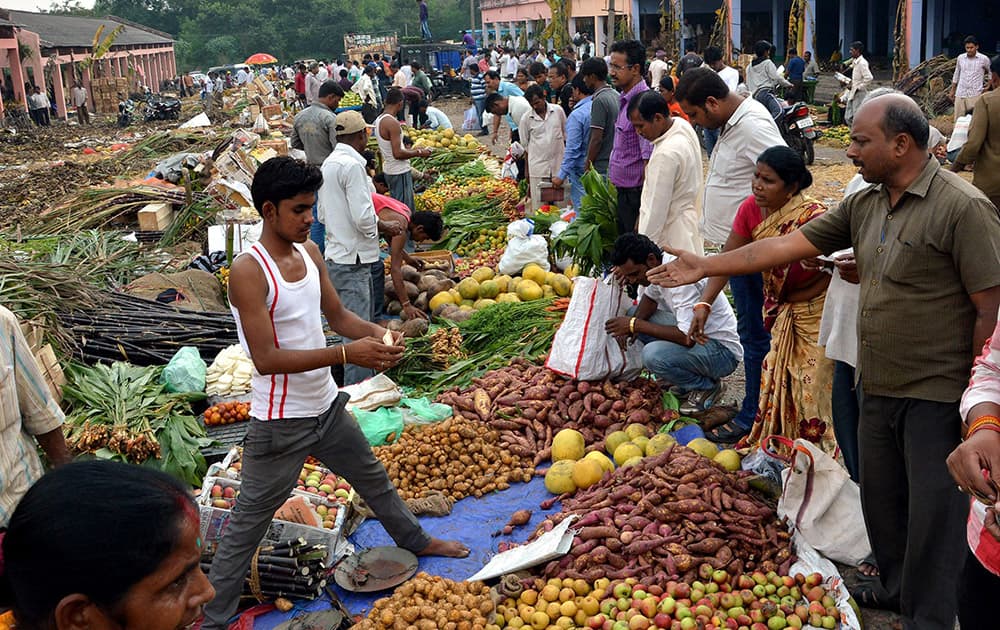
pixel 748 293
pixel 354 286
pixel 317 231
pixel 378 290
pixel 576 191
pixel 711 136
pixel 846 404
pixel 480 104
pixel 425 31
pixel 699 367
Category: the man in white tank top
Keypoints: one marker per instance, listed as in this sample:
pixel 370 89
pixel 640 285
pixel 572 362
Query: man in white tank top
pixel 278 292
pixel 396 157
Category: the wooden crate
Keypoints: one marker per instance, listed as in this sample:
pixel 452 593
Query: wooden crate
pixel 272 111
pixel 279 146
pixel 155 216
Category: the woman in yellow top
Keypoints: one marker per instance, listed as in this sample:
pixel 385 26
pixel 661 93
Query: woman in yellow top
pixel 797 378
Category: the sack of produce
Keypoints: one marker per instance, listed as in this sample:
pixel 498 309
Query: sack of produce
pixel 824 504
pixel 185 373
pixel 582 349
pixel 523 248
pixel 380 426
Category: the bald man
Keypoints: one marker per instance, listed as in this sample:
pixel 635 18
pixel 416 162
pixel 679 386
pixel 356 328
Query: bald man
pixel 927 245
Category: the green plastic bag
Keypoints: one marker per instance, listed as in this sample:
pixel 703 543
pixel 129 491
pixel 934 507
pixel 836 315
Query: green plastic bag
pixel 423 411
pixel 185 373
pixel 378 425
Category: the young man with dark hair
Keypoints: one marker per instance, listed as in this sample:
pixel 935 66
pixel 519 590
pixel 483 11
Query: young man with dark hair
pixel 278 292
pixel 693 365
pixel 540 73
pixel 477 90
pixel 425 29
pixel 630 152
pixel 972 74
pixel 749 129
pixel 861 77
pixel 795 68
pixel 690 60
pixel 577 140
pixel 512 108
pixel 396 157
pixel 315 133
pixel 604 111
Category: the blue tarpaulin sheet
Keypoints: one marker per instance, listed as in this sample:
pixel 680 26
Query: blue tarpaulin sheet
pixel 472 521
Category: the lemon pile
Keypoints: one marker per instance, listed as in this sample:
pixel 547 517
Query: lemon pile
pixel 442 138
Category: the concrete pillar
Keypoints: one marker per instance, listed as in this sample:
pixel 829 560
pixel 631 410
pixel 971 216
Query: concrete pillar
pixel 778 34
pixel 17 76
pixel 496 31
pixel 914 30
pixel 809 32
pixel 636 18
pixel 736 22
pixel 600 37
pixel 486 35
pixel 58 92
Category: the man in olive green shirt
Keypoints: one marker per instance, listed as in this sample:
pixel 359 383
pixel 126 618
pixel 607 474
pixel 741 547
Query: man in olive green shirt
pixel 927 245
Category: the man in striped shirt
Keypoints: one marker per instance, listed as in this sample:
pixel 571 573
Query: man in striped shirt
pixel 29 417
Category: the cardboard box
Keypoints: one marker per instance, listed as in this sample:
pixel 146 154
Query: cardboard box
pixel 45 358
pixel 155 217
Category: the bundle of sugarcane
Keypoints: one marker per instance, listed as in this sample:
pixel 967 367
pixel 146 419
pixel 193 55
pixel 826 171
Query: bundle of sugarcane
pixel 292 569
pixel 122 327
pixel 165 143
pixel 99 208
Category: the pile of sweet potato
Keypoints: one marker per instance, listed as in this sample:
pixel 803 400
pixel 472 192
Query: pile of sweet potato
pixel 665 517
pixel 527 404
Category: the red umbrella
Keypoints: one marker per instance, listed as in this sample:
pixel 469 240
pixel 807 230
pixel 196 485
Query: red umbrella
pixel 259 59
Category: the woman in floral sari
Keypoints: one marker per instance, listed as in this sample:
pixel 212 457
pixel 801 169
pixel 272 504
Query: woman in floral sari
pixel 796 378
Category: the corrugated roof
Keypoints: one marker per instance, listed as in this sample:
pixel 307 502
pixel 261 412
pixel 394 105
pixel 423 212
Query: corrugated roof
pixel 65 31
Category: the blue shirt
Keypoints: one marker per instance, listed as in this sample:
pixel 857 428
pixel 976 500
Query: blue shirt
pixel 796 68
pixel 507 89
pixel 577 139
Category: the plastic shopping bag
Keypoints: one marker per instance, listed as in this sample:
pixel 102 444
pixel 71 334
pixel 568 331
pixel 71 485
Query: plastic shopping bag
pixel 523 248
pixel 582 349
pixel 423 411
pixel 185 373
pixel 471 120
pixel 557 228
pixel 380 426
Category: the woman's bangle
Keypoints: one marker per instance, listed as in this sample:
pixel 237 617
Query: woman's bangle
pixel 704 304
pixel 631 325
pixel 991 423
pixel 343 352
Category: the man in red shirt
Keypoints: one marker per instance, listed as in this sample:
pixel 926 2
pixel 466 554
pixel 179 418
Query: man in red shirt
pixel 300 83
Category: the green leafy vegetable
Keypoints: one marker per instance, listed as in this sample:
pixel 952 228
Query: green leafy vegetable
pixel 590 238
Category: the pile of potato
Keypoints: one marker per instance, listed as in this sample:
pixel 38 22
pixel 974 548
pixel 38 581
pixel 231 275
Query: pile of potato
pixel 429 602
pixel 456 458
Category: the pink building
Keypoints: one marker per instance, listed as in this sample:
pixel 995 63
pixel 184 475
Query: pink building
pixel 45 50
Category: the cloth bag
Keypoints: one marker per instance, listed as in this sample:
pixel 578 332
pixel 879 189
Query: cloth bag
pixel 523 248
pixel 824 505
pixel 582 349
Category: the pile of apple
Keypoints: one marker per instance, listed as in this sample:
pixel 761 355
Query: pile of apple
pixel 320 481
pixel 744 602
pixel 224 496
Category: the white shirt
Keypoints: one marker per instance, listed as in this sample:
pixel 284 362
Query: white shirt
pixel 494 58
pixel 242 77
pixel 312 87
pixel 323 74
pixel 345 203
pixel 39 101
pixel 971 74
pixel 747 133
pixel 861 76
pixel 544 139
pixel 838 330
pixel 365 89
pixel 686 31
pixel 960 134
pixel 670 210
pixel 517 107
pixel 504 59
pixel 289 73
pixel 721 324
pixel 79 96
pixel 657 68
pixel 512 66
pixel 407 72
pixel 437 118
pixel 764 74
pixel 731 76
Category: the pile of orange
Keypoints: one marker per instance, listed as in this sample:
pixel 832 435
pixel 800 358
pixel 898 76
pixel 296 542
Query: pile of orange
pixel 227 413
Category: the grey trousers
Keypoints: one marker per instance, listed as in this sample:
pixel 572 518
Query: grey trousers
pixel 914 513
pixel 273 454
pixel 354 286
pixel 401 188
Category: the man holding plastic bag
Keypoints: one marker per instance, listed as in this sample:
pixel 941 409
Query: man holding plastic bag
pixel 693 365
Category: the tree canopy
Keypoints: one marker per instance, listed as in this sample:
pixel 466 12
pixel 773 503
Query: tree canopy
pixel 213 32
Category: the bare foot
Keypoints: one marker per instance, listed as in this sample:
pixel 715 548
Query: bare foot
pixel 446 548
pixel 868 569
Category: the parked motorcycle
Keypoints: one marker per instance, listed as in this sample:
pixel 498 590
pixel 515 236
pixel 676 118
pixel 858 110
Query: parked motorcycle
pixel 794 121
pixel 162 108
pixel 126 109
